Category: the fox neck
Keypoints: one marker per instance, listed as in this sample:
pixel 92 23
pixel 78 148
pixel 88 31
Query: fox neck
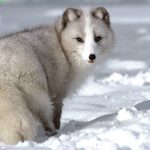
pixel 77 77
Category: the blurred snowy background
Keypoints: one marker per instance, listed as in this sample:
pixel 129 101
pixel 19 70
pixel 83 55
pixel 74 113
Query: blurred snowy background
pixel 112 111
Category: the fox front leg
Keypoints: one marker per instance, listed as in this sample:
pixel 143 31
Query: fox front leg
pixel 57 113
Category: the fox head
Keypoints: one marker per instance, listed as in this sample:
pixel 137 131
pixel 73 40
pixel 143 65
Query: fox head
pixel 85 36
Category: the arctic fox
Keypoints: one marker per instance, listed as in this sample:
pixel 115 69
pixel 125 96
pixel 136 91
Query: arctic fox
pixel 42 66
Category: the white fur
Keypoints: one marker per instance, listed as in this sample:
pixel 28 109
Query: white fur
pixel 41 67
pixel 88 41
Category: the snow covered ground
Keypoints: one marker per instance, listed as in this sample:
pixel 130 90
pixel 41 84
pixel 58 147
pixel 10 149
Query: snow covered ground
pixel 112 110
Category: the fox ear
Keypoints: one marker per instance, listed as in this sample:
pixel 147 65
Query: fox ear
pixel 69 15
pixel 101 13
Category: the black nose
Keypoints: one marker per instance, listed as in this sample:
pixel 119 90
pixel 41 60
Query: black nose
pixel 92 56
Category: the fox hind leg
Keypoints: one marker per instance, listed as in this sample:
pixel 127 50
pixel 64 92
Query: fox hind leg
pixel 17 123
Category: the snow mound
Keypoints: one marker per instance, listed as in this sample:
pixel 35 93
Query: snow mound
pixel 138 80
pixel 107 135
pixel 125 114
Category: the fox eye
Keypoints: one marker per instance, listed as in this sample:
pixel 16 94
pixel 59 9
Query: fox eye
pixel 79 39
pixel 98 38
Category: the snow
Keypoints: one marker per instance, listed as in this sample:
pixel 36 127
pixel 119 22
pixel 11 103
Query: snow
pixel 142 31
pixel 138 80
pixel 127 65
pixel 124 114
pixel 112 110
